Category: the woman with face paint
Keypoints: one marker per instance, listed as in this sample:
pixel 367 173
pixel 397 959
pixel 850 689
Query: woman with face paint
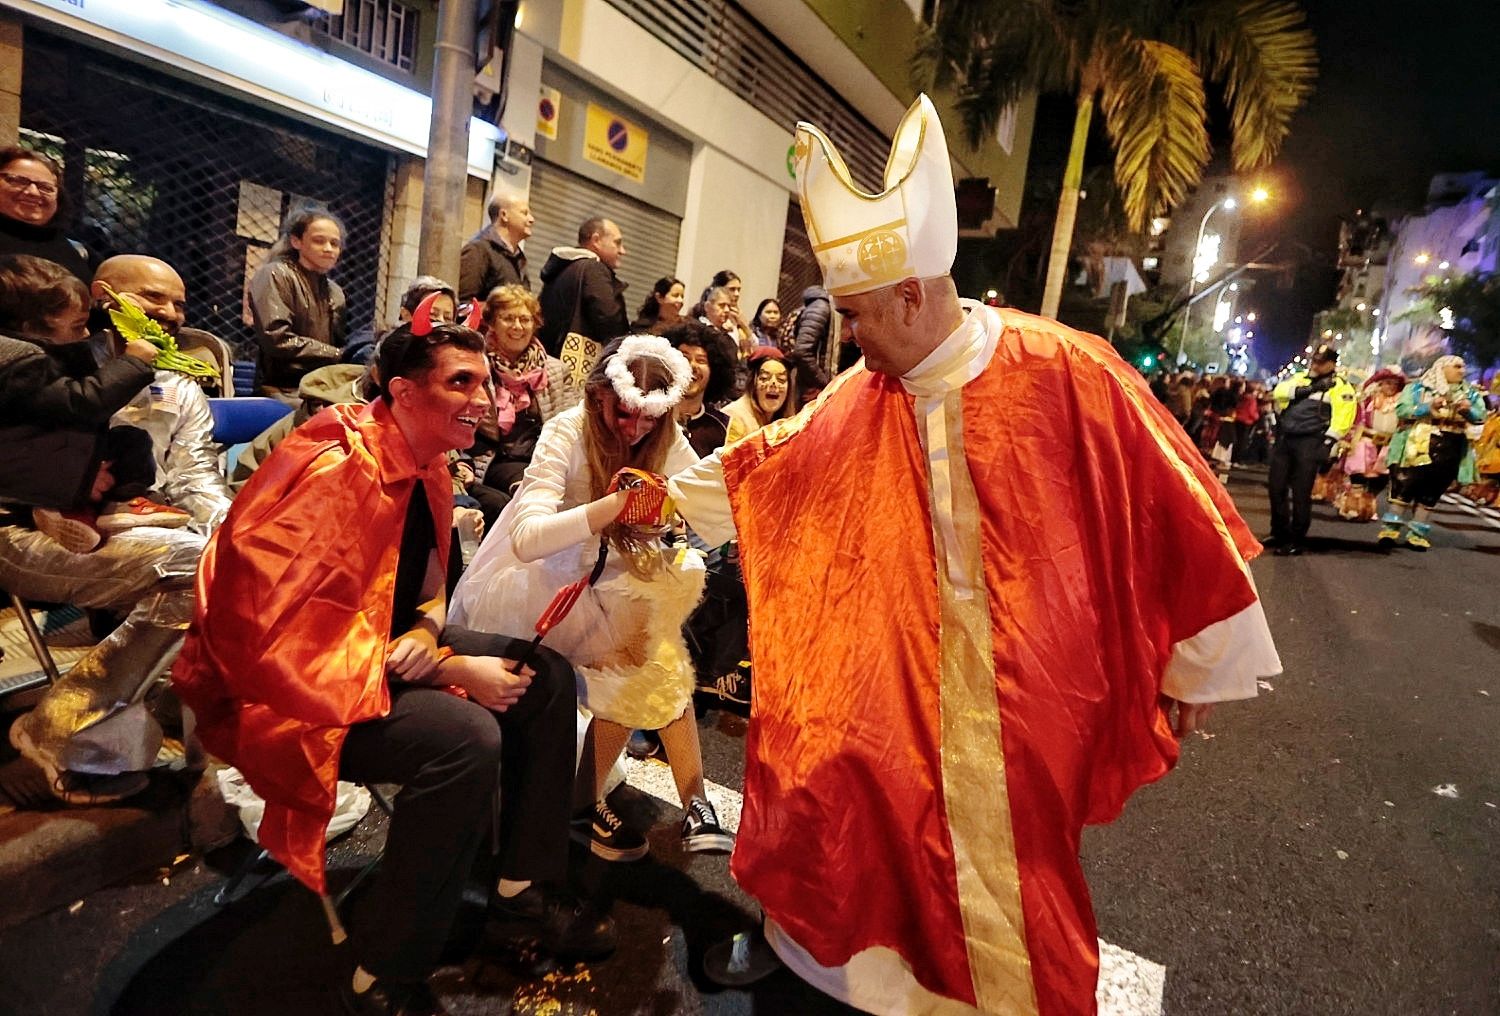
pixel 624 634
pixel 768 394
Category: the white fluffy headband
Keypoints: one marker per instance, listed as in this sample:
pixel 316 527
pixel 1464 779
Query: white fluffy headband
pixel 641 347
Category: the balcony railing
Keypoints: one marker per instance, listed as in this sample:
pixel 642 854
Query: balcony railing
pixel 732 48
pixel 385 29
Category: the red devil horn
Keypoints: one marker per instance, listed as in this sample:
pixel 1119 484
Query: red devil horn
pixel 476 315
pixel 421 318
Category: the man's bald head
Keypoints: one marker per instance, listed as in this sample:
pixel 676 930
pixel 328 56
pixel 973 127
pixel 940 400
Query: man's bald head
pixel 897 326
pixel 510 214
pixel 151 283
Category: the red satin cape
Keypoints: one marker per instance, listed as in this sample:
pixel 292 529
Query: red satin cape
pixel 288 641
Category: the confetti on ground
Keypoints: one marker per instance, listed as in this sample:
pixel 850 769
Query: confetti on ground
pixel 1264 685
pixel 1389 804
pixel 78 904
pixel 1484 693
pixel 1341 855
pixel 1445 790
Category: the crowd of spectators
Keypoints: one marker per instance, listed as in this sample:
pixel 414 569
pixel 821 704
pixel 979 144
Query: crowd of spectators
pixel 113 484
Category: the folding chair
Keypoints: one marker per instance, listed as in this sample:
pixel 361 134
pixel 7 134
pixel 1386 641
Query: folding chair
pixel 237 420
pixel 50 673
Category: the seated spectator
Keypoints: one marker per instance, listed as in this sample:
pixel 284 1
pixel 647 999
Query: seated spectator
pixel 767 395
pixel 61 457
pixel 298 311
pixel 493 256
pixel 173 408
pixel 361 347
pixel 710 354
pixel 662 307
pixel 31 211
pixel 338 384
pixel 531 388
pixel 92 735
pixel 766 324
pixel 304 669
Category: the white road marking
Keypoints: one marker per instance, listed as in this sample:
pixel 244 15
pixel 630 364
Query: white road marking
pixel 1129 985
pixel 1485 512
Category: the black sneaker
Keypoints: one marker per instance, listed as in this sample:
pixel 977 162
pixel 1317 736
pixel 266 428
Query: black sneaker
pixel 392 998
pixel 606 835
pixel 564 926
pixel 701 832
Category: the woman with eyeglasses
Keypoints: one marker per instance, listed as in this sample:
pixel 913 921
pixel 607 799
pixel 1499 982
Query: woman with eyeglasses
pixel 531 387
pixel 30 200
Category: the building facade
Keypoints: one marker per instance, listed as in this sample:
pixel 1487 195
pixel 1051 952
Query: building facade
pixel 192 129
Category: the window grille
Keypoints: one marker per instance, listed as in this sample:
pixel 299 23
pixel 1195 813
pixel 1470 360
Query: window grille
pixel 385 29
pixel 157 166
pixel 731 47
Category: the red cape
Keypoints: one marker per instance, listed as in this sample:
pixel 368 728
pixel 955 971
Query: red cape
pixel 288 641
pixel 1104 541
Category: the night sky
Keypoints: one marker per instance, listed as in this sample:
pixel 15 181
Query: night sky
pixel 1405 90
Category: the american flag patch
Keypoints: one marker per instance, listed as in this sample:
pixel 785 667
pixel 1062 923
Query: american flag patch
pixel 165 398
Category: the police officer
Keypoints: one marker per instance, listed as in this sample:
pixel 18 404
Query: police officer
pixel 1315 408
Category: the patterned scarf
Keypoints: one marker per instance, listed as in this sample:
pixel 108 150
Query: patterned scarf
pixel 1433 380
pixel 516 383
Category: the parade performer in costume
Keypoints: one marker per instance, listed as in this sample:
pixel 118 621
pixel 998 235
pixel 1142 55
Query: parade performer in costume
pixel 319 650
pixel 624 635
pixel 1429 448
pixel 980 644
pixel 1368 443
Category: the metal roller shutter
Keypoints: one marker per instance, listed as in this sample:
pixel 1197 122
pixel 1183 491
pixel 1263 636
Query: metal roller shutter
pixel 562 200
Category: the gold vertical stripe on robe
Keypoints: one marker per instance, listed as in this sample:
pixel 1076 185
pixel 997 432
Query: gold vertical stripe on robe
pixel 976 800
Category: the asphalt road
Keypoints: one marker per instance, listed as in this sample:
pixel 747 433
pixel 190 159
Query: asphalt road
pixel 1299 861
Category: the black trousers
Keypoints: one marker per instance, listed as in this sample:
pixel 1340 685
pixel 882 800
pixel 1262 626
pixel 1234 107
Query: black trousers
pixel 1295 462
pixel 1424 485
pixel 449 755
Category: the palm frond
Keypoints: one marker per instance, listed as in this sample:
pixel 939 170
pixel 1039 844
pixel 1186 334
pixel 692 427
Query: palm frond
pixel 1266 58
pixel 992 54
pixel 1154 110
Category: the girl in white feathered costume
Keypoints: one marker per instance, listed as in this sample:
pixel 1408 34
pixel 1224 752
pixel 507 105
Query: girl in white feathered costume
pixel 624 635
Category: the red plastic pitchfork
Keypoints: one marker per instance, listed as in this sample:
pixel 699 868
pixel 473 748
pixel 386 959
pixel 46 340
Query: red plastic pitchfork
pixel 562 603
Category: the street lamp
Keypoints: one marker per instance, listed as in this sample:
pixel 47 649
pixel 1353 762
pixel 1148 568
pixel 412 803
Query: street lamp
pixel 1228 204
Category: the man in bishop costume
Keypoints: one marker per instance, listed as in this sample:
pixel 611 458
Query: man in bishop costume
pixel 970 617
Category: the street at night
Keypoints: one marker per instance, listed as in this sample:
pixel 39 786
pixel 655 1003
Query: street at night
pixel 749 507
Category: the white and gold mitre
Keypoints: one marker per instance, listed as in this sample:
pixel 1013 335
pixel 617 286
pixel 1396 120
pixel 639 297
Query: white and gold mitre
pixel 867 241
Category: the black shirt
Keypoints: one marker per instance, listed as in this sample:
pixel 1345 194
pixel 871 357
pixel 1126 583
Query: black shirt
pixel 418 538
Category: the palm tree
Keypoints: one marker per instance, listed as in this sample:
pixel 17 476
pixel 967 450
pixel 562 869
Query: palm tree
pixel 1145 64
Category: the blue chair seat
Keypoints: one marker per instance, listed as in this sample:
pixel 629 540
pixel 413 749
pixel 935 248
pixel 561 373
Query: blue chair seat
pixel 241 419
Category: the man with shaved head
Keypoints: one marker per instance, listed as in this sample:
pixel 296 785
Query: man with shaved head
pixel 493 257
pixel 172 409
pixel 87 738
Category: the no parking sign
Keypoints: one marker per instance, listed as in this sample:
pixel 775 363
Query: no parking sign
pixel 617 144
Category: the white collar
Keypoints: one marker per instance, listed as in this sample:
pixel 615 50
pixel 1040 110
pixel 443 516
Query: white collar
pixel 959 358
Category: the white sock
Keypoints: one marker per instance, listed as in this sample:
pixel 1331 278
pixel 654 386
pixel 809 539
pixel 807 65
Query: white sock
pixel 362 980
pixel 512 887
